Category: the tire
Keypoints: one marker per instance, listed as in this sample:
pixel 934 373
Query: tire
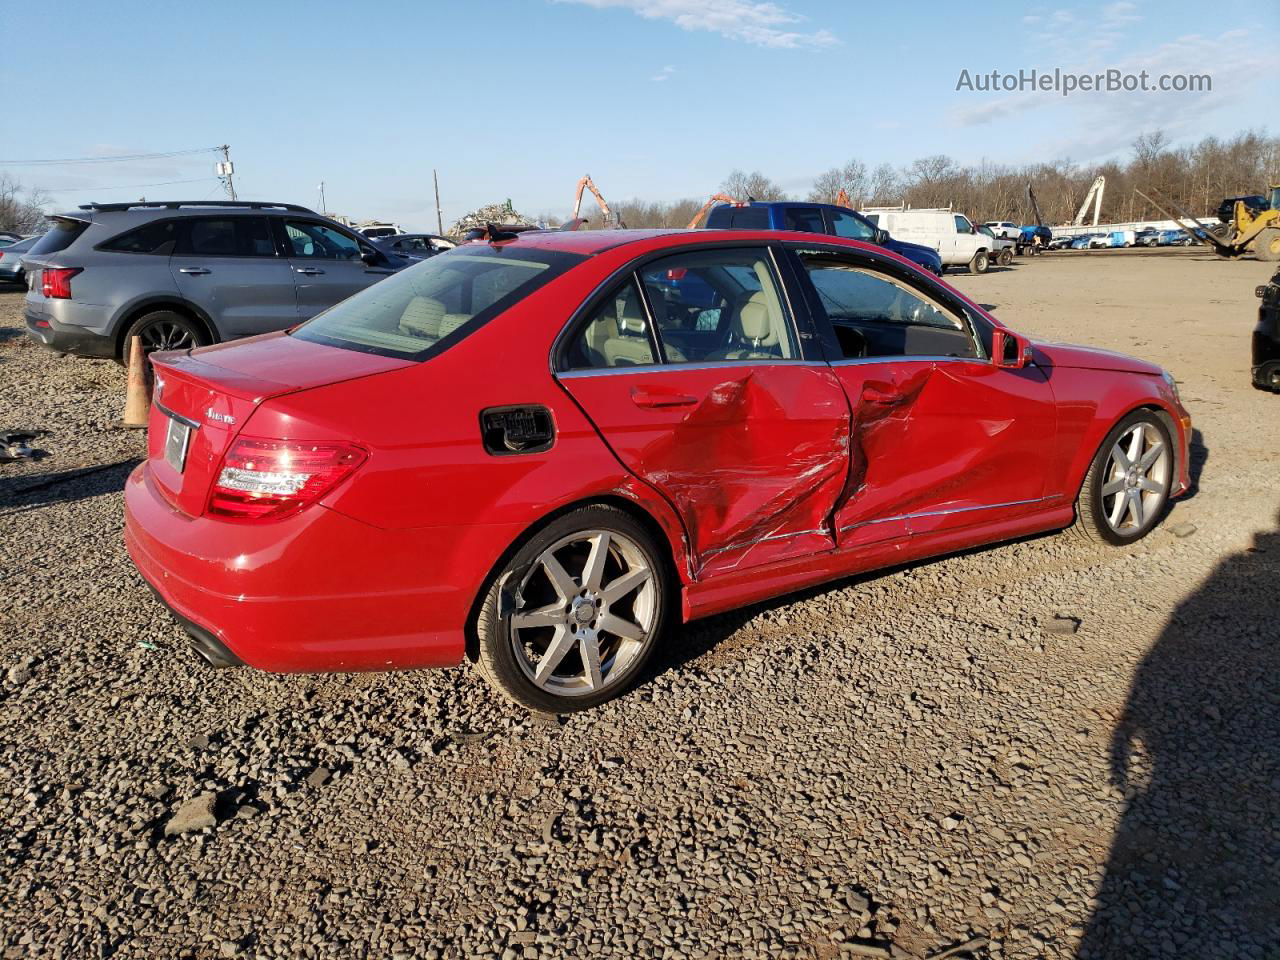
pixel 1267 244
pixel 1006 257
pixel 570 628
pixel 979 262
pixel 1131 511
pixel 1267 377
pixel 164 330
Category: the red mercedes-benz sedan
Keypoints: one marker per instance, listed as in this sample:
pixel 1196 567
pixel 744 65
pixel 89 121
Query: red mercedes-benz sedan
pixel 537 452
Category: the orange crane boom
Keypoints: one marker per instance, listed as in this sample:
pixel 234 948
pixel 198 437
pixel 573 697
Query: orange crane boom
pixel 715 198
pixel 586 183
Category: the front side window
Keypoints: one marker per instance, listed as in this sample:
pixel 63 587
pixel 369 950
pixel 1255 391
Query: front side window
pixel 874 315
pixel 963 225
pixel 855 228
pixel 158 237
pixel 616 335
pixel 317 241
pixel 718 305
pixel 436 302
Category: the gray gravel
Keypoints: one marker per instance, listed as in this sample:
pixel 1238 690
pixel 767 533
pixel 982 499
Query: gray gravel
pixel 1045 749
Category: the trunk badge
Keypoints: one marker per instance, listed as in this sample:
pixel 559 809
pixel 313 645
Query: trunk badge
pixel 216 417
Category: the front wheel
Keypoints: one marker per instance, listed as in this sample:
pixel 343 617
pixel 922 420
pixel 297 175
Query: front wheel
pixel 1267 246
pixel 979 262
pixel 1128 484
pixel 573 616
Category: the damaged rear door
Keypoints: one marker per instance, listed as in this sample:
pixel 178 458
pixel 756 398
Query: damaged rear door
pixel 692 371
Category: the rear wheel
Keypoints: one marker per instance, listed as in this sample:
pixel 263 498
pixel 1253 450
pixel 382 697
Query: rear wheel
pixel 1127 487
pixel 164 330
pixel 1267 246
pixel 1006 257
pixel 979 262
pixel 574 615
pixel 1267 377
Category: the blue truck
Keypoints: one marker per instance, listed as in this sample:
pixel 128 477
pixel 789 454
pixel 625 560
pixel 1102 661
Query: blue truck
pixel 818 218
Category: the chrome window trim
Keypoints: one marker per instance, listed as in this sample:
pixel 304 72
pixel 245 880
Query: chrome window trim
pixel 676 367
pixel 953 510
pixel 905 358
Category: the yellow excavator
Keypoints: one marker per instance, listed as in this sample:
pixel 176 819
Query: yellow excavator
pixel 1258 233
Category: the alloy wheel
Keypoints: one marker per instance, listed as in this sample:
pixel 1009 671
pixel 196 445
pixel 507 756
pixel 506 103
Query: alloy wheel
pixel 584 613
pixel 166 335
pixel 1135 483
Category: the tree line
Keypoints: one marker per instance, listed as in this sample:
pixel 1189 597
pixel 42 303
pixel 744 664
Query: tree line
pixel 1197 177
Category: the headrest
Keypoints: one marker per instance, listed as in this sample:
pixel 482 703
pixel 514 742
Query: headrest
pixel 631 326
pixel 754 323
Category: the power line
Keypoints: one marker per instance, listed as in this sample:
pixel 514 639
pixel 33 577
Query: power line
pixel 114 159
pixel 134 186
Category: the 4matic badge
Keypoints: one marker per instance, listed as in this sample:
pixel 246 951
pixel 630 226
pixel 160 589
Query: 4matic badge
pixel 216 417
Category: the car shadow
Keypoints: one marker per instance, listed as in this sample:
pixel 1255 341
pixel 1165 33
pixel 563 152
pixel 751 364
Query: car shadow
pixel 1194 866
pixel 19 494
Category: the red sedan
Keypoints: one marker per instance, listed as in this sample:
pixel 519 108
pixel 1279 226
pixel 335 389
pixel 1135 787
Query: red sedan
pixel 537 452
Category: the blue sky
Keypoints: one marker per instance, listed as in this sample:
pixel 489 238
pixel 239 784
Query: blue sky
pixel 654 98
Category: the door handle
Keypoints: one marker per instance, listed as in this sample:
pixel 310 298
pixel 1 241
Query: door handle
pixel 879 397
pixel 653 399
pixel 194 271
pixel 309 271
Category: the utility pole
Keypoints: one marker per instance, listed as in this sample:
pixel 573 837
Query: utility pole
pixel 323 207
pixel 225 170
pixel 439 221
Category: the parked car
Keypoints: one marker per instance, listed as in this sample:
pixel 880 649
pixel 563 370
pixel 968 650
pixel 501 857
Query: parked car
pixel 1001 248
pixel 1061 243
pixel 1266 337
pixel 416 246
pixel 951 234
pixel 185 274
pixel 1254 202
pixel 9 238
pixel 1174 238
pixel 825 218
pixel 1147 237
pixel 1082 242
pixel 1006 229
pixel 1098 241
pixel 379 229
pixel 11 269
pixel 535 454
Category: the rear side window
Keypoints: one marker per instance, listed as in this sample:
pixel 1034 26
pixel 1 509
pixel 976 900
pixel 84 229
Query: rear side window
pixel 229 237
pixel 437 302
pixel 808 219
pixel 158 238
pixel 61 235
pixel 617 335
pixel 750 218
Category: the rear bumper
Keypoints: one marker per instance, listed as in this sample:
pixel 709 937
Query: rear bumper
pixel 316 592
pixel 64 338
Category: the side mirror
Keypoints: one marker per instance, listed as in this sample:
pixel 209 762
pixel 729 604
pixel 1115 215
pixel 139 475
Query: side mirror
pixel 371 257
pixel 882 237
pixel 1009 350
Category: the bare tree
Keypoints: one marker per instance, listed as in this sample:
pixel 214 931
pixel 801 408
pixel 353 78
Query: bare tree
pixel 20 211
pixel 851 178
pixel 883 186
pixel 754 185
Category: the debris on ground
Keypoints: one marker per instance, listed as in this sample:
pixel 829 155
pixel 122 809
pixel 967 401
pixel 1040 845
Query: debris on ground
pixel 195 814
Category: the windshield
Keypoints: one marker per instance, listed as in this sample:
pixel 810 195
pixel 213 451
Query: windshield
pixel 426 308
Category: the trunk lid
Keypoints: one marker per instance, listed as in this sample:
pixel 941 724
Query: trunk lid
pixel 204 397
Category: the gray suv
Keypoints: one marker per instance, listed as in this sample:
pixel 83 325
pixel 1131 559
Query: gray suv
pixel 185 274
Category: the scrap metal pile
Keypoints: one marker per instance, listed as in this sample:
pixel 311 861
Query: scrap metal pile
pixel 499 214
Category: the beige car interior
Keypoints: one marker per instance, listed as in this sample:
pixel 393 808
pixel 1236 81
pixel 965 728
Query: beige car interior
pixel 427 318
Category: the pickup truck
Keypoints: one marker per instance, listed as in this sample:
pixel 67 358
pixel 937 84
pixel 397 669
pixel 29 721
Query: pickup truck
pixel 818 218
pixel 1002 248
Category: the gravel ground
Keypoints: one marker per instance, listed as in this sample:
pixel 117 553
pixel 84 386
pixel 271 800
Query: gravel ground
pixel 1046 748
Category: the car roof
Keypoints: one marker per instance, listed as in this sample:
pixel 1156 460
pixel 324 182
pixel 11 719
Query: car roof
pixel 590 242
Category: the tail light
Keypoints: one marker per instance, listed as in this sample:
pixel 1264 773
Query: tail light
pixel 56 281
pixel 269 479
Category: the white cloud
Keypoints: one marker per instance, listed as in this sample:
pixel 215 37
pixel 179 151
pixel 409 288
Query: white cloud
pixel 748 21
pixel 664 74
